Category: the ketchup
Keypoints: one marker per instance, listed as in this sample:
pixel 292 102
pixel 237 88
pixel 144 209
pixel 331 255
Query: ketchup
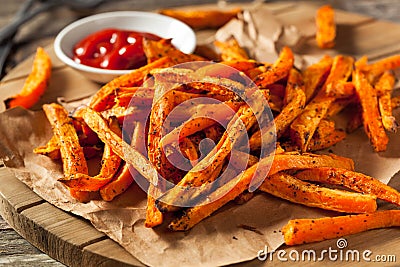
pixel 113 49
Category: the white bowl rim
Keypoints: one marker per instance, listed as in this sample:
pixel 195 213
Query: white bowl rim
pixel 69 61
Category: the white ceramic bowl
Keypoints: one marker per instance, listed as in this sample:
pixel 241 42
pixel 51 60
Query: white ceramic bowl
pixel 182 36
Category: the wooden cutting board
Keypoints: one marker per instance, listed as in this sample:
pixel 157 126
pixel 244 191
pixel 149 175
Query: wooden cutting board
pixel 74 242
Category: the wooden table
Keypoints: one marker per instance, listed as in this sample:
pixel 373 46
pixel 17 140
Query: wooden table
pixel 16 251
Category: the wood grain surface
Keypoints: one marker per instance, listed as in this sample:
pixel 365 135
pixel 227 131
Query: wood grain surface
pixel 73 241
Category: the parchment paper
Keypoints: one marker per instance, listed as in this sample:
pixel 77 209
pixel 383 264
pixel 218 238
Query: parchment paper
pixel 218 240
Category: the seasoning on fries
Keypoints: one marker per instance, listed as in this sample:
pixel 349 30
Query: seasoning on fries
pixel 303 106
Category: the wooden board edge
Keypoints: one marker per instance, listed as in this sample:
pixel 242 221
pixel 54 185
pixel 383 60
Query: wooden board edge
pixel 87 254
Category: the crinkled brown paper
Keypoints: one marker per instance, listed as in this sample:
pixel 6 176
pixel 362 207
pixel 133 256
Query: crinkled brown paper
pixel 218 240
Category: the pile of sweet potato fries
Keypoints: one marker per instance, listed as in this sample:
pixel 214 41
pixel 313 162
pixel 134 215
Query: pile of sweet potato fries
pixel 303 104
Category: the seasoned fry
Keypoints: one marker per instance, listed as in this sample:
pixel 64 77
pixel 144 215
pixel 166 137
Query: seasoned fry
pixel 288 187
pixel 289 161
pixel 370 114
pixel 395 102
pixel 71 152
pixel 303 127
pixel 231 50
pixel 239 184
pixel 300 231
pixel 326 27
pixel 35 84
pixel 155 50
pixel 384 88
pixel 340 89
pixel 295 99
pixel 51 149
pixel 325 136
pixel 119 184
pixel 279 70
pixel 201 19
pixel 353 180
pixel 104 98
pixel 124 150
pixel 109 167
pixel 315 75
pixel 201 172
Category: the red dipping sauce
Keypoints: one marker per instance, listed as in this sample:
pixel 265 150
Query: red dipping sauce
pixel 113 49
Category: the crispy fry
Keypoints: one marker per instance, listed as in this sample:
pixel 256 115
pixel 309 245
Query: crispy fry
pixel 286 161
pixel 231 50
pixel 104 98
pixel 353 180
pixel 35 84
pixel 124 150
pixel 189 150
pixel 109 167
pixel 384 88
pixel 279 70
pixel 340 89
pixel 296 99
pixel 326 27
pixel 70 149
pixel 239 184
pixel 374 71
pixel 288 187
pixel 370 114
pixel 303 127
pixel 224 193
pixel 203 116
pixel 119 184
pixel 51 149
pixel 155 50
pixel 200 173
pixel 315 75
pixel 201 19
pixel 326 141
pixel 300 231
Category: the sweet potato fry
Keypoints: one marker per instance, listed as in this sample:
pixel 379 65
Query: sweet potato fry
pixel 104 98
pixel 35 84
pixel 373 71
pixel 71 152
pixel 155 50
pixel 325 136
pixel 296 99
pixel 288 161
pixel 315 75
pixel 326 141
pixel 51 149
pixel 285 186
pixel 200 173
pixel 203 116
pixel 121 181
pixel 279 70
pixel 353 180
pixel 109 167
pixel 300 231
pixel 326 27
pixel 231 50
pixel 225 193
pixel 239 184
pixel 384 88
pixel 303 127
pixel 370 114
pixel 124 150
pixel 189 150
pixel 201 19
pixel 340 89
